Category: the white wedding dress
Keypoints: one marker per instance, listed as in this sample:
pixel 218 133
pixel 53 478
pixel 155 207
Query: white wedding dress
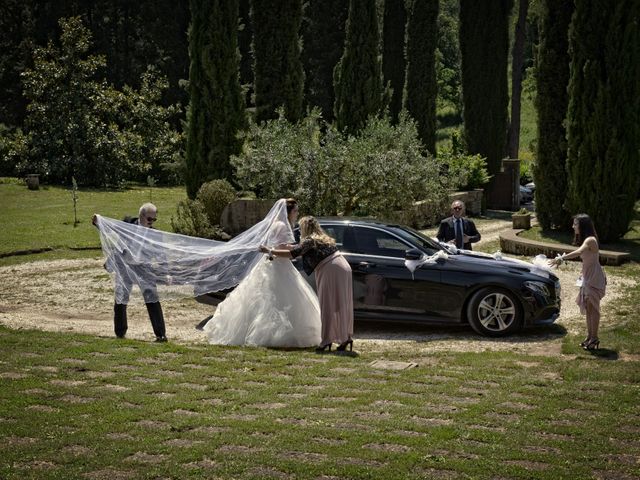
pixel 273 306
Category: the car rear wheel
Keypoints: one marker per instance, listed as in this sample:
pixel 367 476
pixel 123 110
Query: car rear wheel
pixel 494 312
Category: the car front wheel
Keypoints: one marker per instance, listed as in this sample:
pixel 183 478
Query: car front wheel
pixel 494 312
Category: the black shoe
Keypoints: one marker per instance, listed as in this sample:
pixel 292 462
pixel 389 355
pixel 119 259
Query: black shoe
pixel 343 346
pixel 324 348
pixel 157 319
pixel 202 324
pixel 161 339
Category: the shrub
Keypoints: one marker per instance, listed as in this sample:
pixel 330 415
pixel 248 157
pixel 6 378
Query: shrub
pixel 466 172
pixel 191 219
pixel 527 164
pixel 378 171
pixel 214 196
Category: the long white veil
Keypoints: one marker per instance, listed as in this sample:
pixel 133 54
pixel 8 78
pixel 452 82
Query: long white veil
pixel 179 265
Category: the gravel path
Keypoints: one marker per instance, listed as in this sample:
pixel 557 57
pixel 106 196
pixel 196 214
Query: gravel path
pixel 77 296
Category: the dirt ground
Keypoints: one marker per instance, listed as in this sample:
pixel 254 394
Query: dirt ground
pixel 77 296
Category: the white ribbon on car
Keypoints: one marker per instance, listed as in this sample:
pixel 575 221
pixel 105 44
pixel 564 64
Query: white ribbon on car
pixel 413 265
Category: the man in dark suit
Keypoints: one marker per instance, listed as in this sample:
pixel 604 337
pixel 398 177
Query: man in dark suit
pixel 457 229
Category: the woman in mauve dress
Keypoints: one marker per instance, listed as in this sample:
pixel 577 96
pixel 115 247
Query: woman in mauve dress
pixel 333 280
pixel 593 281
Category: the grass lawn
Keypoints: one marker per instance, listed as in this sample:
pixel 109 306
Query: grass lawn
pixel 74 406
pixel 44 218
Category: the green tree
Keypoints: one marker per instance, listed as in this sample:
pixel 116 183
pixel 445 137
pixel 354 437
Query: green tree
pixel 80 126
pixel 421 86
pixel 552 79
pixel 603 120
pixel 358 76
pixel 277 68
pixel 323 30
pixel 216 110
pixel 448 66
pixel 484 45
pixel 16 45
pixel 393 53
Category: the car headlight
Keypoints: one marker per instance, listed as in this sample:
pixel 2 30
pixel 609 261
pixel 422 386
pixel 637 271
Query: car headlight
pixel 537 287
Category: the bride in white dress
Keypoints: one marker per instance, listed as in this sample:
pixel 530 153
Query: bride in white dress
pixel 273 306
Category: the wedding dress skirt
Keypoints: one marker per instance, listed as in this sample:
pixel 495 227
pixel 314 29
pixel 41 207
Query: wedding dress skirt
pixel 273 306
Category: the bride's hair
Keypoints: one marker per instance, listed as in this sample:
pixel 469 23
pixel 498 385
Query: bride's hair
pixel 291 204
pixel 310 228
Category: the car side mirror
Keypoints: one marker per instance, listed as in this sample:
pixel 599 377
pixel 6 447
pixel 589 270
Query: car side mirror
pixel 413 254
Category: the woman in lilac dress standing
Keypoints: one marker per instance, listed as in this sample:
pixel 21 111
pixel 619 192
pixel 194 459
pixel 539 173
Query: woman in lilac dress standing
pixel 593 280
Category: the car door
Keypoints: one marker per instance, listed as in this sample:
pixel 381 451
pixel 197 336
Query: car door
pixel 382 282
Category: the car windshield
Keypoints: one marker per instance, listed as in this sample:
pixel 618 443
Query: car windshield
pixel 415 237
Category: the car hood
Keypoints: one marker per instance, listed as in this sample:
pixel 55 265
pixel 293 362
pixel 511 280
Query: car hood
pixel 501 262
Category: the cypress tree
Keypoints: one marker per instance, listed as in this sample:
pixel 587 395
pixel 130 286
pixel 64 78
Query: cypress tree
pixel 216 109
pixel 393 54
pixel 421 86
pixel 358 76
pixel 552 79
pixel 323 39
pixel 484 46
pixel 245 36
pixel 277 67
pixel 603 119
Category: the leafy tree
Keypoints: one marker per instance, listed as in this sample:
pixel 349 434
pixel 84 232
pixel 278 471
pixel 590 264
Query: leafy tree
pixel 278 72
pixel 380 170
pixel 421 86
pixel 216 110
pixel 603 120
pixel 517 73
pixel 552 79
pixel 78 126
pixel 448 68
pixel 323 28
pixel 132 35
pixel 358 76
pixel 484 45
pixel 16 45
pixel 393 56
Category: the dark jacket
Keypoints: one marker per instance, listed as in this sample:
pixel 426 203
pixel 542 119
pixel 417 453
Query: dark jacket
pixel 447 231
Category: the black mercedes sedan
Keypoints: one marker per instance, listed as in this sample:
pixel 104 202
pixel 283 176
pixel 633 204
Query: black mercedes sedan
pixel 495 296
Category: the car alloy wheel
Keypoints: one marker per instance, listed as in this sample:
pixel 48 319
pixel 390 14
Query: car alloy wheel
pixel 494 312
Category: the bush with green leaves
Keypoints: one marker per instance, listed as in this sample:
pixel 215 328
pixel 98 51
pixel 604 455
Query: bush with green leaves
pixel 466 172
pixel 214 196
pixel 78 125
pixel 191 219
pixel 377 172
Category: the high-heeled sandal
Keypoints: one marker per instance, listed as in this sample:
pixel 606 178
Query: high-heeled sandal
pixel 323 348
pixel 594 344
pixel 584 342
pixel 343 346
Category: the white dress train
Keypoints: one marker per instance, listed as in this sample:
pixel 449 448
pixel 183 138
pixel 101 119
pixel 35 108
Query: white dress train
pixel 273 306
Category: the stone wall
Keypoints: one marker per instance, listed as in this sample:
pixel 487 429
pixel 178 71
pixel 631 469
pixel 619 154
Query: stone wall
pixel 241 214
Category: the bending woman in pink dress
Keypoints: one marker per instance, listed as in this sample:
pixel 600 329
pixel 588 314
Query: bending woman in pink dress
pixel 593 279
pixel 333 279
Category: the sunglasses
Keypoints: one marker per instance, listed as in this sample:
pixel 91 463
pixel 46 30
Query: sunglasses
pixel 151 219
pixel 457 208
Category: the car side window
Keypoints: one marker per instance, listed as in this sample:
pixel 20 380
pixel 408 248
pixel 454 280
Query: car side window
pixel 336 232
pixel 372 241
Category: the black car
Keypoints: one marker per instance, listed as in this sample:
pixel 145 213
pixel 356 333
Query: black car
pixel 496 297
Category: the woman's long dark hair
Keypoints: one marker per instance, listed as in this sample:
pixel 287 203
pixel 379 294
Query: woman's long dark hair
pixel 585 229
pixel 291 204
